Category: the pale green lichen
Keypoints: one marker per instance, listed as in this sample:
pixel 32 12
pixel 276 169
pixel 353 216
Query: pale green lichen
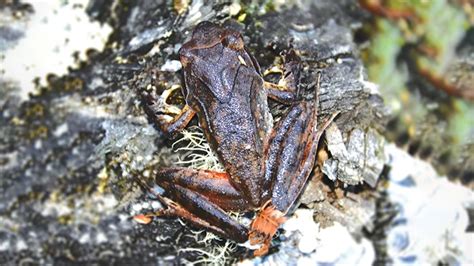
pixel 197 152
pixel 216 255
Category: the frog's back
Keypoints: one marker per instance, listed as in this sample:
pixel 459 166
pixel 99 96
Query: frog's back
pixel 237 128
pixel 240 123
pixel 224 87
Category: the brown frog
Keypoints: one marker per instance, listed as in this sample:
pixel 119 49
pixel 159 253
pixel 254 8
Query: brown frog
pixel 266 166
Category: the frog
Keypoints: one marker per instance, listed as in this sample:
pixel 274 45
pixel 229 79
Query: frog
pixel 266 164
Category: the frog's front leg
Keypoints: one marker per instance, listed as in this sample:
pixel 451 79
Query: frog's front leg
pixel 203 197
pixel 279 93
pixel 169 118
pixel 286 91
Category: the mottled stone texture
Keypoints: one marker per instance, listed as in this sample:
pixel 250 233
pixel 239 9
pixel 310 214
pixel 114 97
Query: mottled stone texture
pixel 68 154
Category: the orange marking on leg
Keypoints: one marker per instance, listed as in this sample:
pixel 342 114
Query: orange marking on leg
pixel 264 227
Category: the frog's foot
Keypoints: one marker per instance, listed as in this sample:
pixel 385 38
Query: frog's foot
pixel 159 103
pixel 264 227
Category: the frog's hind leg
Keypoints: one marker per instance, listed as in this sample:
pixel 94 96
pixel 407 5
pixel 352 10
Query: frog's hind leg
pixel 175 210
pixel 201 196
pixel 214 186
pixel 290 158
pixel 291 151
pixel 294 146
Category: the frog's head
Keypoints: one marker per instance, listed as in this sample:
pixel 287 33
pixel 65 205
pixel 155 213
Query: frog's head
pixel 212 59
pixel 208 35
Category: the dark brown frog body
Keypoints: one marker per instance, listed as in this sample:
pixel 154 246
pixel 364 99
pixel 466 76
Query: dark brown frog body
pixel 266 166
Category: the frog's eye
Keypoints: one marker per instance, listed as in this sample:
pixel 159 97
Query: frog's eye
pixel 233 41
